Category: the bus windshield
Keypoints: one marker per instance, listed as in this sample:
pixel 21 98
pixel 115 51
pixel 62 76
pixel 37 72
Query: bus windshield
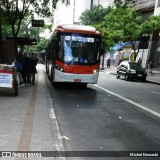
pixel 80 49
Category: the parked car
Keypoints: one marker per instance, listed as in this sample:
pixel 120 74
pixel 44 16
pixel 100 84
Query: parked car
pixel 131 70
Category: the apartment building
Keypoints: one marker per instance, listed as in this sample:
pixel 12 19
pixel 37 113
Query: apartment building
pixel 148 8
pixel 157 8
pixel 104 3
pixel 71 13
pixel 145 4
pixel 145 7
pixel 154 50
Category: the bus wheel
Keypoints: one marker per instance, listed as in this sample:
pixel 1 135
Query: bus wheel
pixel 52 76
pixel 84 85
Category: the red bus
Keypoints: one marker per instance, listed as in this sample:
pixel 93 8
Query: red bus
pixel 73 54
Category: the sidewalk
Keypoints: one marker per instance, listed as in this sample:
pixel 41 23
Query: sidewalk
pixel 154 78
pixel 28 122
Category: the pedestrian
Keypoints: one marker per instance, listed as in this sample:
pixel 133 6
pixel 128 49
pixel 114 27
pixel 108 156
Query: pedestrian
pixel 150 67
pixel 18 64
pixel 140 61
pixel 33 70
pixel 26 60
pixel 19 67
pixel 108 63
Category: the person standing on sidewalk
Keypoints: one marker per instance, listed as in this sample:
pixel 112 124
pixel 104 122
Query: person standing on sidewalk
pixel 150 66
pixel 19 67
pixel 108 63
pixel 25 62
pixel 33 70
pixel 140 61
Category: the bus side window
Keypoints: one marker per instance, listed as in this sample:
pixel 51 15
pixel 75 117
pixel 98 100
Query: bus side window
pixel 58 48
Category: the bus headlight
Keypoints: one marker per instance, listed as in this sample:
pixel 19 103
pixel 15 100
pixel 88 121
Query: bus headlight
pixel 59 68
pixel 95 71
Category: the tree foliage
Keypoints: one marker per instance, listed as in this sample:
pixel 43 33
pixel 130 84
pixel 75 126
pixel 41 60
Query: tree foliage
pixel 15 11
pixel 94 16
pixel 122 24
pixel 151 24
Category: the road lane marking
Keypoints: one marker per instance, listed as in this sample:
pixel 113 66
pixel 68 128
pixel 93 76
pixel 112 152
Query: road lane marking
pixel 56 136
pixel 155 92
pixel 130 101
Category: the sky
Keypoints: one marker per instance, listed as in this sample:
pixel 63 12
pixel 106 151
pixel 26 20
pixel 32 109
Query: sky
pixel 65 14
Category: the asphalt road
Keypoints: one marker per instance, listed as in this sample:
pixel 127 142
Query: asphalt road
pixel 144 93
pixel 93 119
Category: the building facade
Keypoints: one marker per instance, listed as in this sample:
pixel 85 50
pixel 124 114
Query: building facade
pixel 154 54
pixel 145 7
pixel 148 8
pixel 104 3
pixel 71 13
pixel 157 8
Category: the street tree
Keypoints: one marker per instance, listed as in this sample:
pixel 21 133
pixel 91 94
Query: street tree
pixel 151 24
pixel 122 24
pixel 39 34
pixel 94 16
pixel 42 43
pixel 6 29
pixel 15 11
pixel 107 36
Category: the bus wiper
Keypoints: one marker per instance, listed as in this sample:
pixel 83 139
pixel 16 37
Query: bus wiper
pixel 90 64
pixel 71 60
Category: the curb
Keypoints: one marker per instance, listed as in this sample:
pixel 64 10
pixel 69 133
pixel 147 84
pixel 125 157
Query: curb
pixel 153 82
pixel 147 80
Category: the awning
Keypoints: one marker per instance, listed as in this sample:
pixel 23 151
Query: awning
pixel 120 46
pixel 23 41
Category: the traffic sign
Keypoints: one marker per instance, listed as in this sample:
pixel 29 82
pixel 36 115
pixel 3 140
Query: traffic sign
pixel 37 23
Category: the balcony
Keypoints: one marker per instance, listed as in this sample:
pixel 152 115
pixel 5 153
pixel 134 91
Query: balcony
pixel 144 5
